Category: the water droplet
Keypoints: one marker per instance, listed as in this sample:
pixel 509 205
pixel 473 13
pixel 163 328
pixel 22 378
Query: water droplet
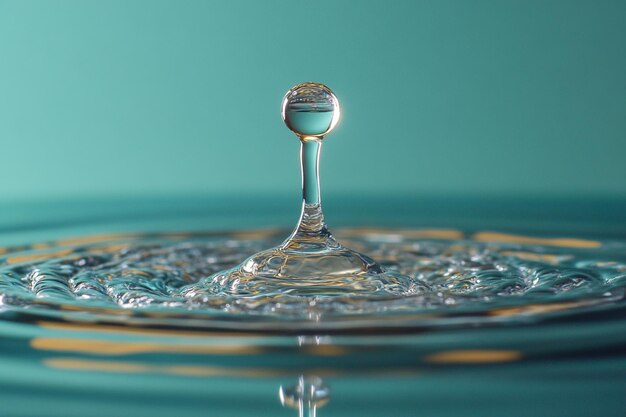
pixel 310 110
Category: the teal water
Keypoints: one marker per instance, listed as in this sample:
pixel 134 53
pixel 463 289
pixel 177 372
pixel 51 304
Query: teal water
pixel 539 352
pixel 310 122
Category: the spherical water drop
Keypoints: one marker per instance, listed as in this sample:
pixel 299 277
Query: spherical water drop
pixel 310 110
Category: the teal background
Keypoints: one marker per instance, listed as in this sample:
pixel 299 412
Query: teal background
pixel 439 97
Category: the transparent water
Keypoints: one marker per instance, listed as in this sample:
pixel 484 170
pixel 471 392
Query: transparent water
pixel 475 277
pixel 95 323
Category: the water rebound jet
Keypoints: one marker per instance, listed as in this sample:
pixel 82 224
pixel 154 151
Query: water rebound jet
pixel 310 262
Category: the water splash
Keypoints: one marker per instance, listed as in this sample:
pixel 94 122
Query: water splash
pixel 310 262
pixel 467 278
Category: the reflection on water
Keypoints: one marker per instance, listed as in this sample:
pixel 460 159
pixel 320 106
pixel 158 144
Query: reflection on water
pixel 504 318
pixel 307 395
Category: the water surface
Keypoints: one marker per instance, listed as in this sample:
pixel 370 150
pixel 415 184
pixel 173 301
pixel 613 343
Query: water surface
pixel 519 317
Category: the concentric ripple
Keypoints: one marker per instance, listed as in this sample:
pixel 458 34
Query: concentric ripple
pixel 480 275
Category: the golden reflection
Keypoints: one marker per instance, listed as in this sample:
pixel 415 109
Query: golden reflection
pixel 108 248
pixel 86 308
pixel 541 257
pixel 103 328
pixel 212 371
pixel 473 356
pixel 410 233
pixel 40 246
pixel 113 348
pixel 179 235
pixel 255 234
pixel 95 238
pixel 188 370
pixel 528 240
pixel 104 366
pixel 535 308
pixel 38 256
pixel 326 350
pixel 180 370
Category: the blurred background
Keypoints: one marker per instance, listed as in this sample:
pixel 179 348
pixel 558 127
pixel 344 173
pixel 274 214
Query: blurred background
pixel 145 98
